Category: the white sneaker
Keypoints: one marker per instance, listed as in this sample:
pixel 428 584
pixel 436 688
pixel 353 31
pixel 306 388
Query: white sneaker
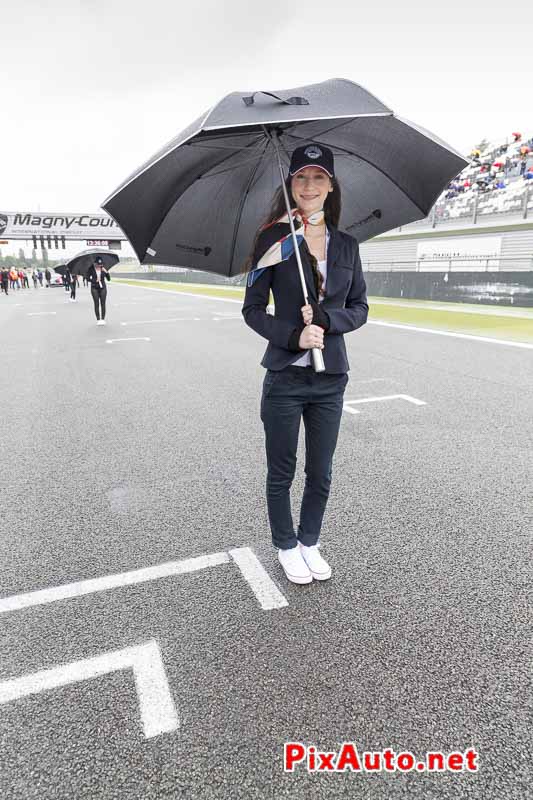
pixel 99 322
pixel 103 321
pixel 319 568
pixel 294 566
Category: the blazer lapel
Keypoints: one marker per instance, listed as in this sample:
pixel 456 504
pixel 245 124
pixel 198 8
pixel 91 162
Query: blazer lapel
pixel 332 255
pixel 308 271
pixel 333 249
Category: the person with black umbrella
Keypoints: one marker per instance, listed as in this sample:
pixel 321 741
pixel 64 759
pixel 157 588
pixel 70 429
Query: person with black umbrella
pixel 66 280
pixel 73 286
pixel 292 389
pixel 97 275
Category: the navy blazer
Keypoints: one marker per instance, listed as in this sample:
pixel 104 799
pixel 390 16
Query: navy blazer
pixel 92 278
pixel 345 304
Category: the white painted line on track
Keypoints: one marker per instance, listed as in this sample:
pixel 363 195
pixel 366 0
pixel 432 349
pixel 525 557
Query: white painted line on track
pixel 349 409
pixel 416 329
pixel 406 397
pixel 262 585
pixel 374 380
pixel 40 313
pixel 178 293
pixel 133 339
pixel 493 311
pixel 347 404
pixel 151 321
pixel 69 590
pixel 156 706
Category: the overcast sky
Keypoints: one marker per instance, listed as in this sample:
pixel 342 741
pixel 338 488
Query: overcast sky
pixel 91 89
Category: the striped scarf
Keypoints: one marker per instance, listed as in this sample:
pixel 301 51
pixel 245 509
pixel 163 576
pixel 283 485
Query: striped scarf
pixel 283 249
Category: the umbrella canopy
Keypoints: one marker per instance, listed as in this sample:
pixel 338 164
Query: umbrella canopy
pixel 60 269
pixel 199 200
pixel 80 263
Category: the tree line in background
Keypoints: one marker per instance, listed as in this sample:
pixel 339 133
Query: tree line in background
pixel 38 261
pixel 23 262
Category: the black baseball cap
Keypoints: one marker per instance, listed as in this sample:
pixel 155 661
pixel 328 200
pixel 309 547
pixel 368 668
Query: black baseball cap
pixel 312 155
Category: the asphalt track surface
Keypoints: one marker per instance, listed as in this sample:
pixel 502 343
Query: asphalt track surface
pixel 118 457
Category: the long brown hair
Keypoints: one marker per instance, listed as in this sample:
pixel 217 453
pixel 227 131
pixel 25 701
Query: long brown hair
pixel 332 213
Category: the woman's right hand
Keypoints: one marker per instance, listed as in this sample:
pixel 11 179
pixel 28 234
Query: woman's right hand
pixel 312 336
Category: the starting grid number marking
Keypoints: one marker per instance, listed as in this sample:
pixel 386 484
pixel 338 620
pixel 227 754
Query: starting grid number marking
pixel 156 706
pixel 347 405
pixel 263 587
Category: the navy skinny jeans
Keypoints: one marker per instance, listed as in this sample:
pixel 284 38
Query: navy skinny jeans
pixel 288 395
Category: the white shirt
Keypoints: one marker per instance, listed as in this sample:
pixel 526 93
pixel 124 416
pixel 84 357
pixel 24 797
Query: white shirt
pixel 305 360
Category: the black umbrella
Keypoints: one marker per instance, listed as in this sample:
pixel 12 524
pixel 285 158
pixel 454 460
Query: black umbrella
pixel 199 200
pixel 61 269
pixel 80 263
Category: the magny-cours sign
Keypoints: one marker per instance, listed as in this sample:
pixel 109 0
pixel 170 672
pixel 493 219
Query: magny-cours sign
pixel 25 224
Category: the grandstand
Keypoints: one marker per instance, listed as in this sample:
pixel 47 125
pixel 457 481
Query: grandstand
pixel 482 221
pixel 495 182
pixel 498 180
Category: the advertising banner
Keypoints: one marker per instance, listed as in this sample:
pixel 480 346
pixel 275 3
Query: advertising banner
pixel 464 251
pixel 26 224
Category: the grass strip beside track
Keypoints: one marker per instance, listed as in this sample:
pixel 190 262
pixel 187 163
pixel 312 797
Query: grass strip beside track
pixel 497 327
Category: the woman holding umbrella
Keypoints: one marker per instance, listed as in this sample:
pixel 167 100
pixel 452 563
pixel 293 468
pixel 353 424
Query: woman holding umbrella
pixel 292 389
pixel 97 275
pixel 73 286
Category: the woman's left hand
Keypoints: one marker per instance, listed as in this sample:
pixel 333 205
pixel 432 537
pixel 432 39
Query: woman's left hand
pixel 307 314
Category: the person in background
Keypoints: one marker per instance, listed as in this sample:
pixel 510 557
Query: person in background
pixel 4 279
pixel 40 277
pixel 73 286
pixel 34 279
pixel 66 280
pixel 48 276
pixel 97 275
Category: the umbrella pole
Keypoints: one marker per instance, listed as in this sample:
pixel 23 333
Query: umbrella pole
pixel 318 360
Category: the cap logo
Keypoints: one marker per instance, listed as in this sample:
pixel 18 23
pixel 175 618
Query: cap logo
pixel 313 151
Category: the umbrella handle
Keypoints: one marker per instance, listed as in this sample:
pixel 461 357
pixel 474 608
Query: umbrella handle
pixel 316 352
pixel 292 101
